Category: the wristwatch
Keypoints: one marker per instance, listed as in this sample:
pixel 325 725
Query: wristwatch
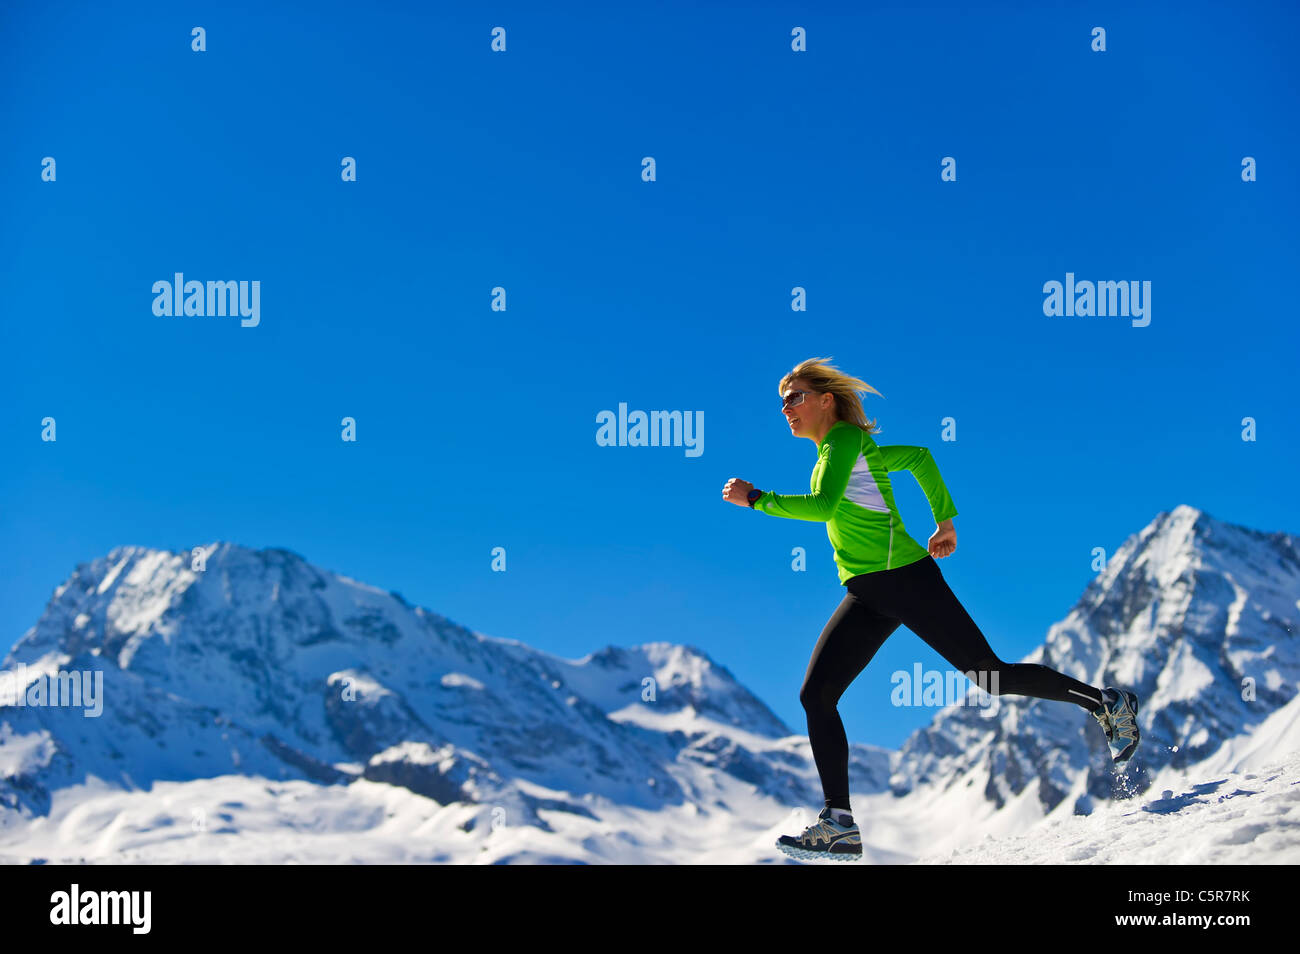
pixel 753 496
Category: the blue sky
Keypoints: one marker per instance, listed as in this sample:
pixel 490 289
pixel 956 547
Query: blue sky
pixel 775 169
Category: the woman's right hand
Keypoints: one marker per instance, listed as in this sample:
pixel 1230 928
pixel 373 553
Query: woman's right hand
pixel 737 491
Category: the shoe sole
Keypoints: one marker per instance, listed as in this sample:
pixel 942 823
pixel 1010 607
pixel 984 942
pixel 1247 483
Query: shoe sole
pixel 806 854
pixel 1132 701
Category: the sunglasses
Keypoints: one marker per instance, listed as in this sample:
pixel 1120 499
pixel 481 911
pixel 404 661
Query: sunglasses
pixel 793 398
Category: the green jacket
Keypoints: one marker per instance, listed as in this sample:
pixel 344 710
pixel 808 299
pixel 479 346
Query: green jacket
pixel 852 496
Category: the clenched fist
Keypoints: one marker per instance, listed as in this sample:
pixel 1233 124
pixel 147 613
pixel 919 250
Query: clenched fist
pixel 943 541
pixel 737 491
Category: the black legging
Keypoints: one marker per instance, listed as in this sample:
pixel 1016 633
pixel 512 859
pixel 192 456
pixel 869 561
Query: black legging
pixel 916 596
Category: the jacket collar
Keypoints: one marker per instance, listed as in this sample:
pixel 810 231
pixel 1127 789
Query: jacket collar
pixel 827 435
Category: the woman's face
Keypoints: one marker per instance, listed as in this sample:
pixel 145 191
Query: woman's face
pixel 812 415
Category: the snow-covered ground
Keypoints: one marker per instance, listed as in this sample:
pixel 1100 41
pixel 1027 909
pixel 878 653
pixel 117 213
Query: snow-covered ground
pixel 1234 817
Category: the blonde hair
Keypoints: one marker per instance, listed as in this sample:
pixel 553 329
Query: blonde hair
pixel 825 377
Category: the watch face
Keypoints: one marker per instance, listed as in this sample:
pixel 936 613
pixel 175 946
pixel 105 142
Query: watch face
pixel 754 495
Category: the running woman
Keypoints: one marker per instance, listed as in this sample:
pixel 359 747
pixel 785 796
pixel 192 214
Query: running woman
pixel 890 580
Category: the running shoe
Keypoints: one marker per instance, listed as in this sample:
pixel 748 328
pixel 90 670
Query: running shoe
pixel 827 839
pixel 1117 716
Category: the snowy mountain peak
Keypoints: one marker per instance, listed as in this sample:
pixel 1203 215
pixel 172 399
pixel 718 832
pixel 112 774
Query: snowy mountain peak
pixel 231 659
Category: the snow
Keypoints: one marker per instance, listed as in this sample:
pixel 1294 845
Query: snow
pixel 228 738
pixel 1235 818
pixel 452 679
pixel 1216 818
pixel 1258 748
pixel 23 753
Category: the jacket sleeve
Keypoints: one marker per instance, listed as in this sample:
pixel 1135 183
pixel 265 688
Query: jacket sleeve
pixel 834 467
pixel 921 463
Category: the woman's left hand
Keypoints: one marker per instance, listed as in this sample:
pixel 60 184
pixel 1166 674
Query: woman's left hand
pixel 737 491
pixel 943 541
